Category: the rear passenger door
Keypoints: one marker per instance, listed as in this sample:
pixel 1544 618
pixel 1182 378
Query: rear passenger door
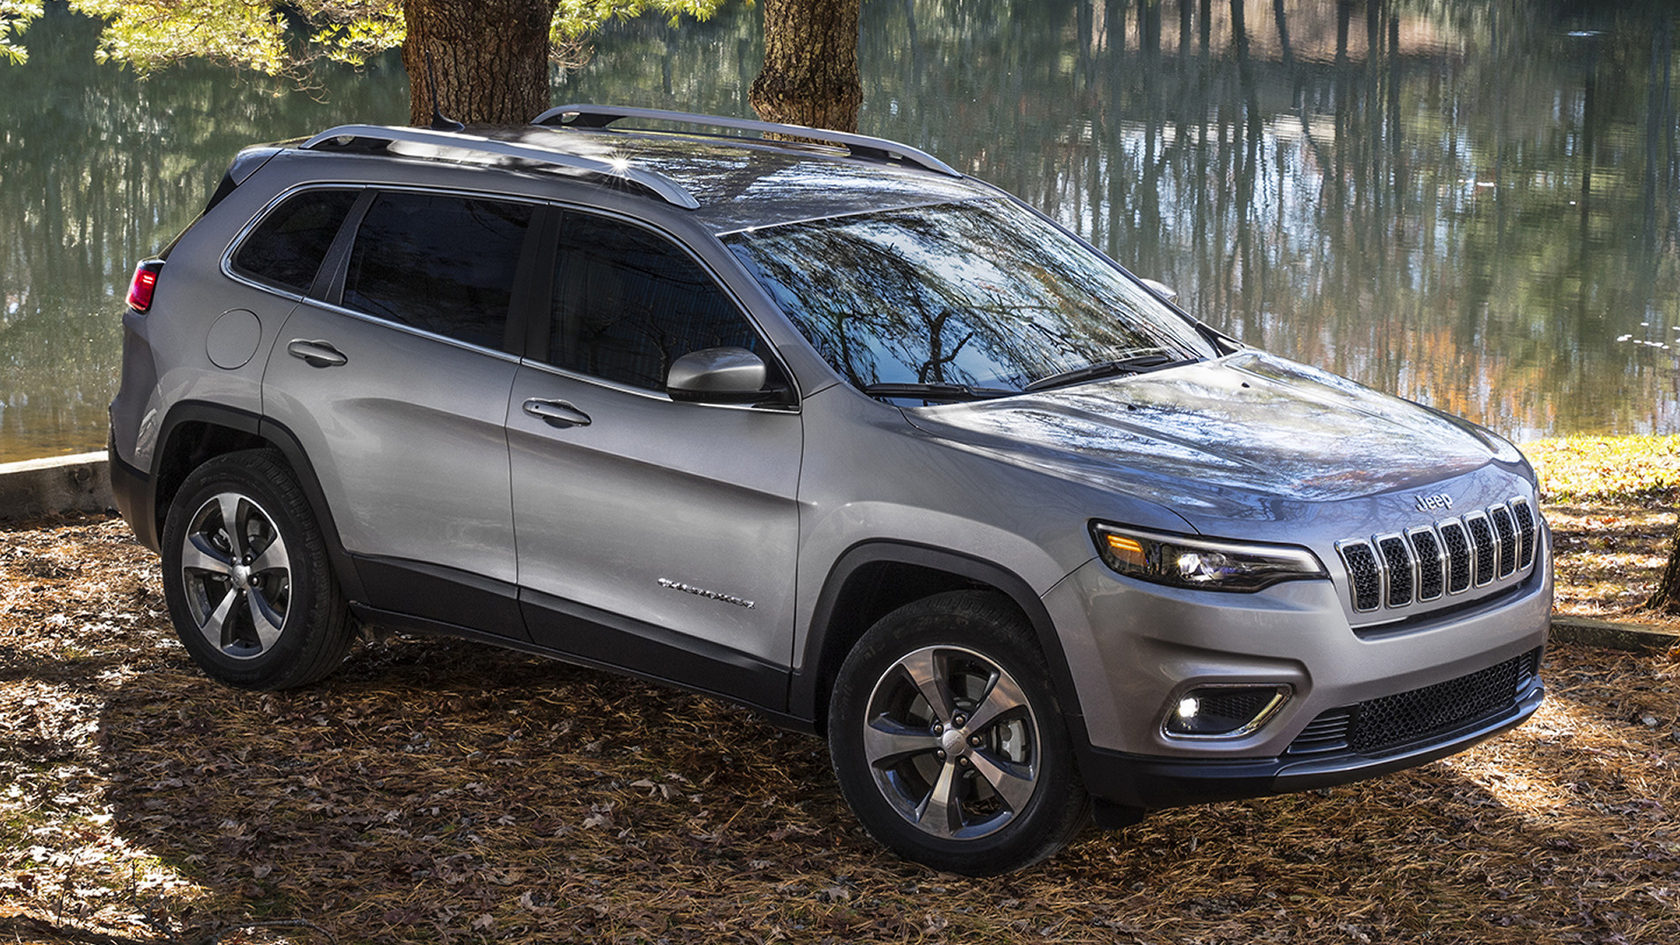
pixel 653 534
pixel 394 375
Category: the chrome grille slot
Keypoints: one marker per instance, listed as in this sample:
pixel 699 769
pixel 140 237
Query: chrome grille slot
pixel 1397 558
pixel 1431 563
pixel 1528 529
pixel 1481 539
pixel 1506 532
pixel 1364 574
pixel 1460 562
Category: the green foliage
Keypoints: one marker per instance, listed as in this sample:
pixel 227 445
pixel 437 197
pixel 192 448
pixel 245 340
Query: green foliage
pixel 15 17
pixel 287 40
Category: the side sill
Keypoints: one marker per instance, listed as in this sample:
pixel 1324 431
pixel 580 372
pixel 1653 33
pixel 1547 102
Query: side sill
pixel 444 595
pixel 592 637
pixel 411 623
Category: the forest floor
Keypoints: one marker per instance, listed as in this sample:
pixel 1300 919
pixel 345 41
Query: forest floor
pixel 437 791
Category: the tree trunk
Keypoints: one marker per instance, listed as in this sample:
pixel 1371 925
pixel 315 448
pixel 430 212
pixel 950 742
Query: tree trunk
pixel 477 61
pixel 1666 598
pixel 810 72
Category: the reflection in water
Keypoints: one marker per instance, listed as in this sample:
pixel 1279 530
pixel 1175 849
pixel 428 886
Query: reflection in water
pixel 1466 203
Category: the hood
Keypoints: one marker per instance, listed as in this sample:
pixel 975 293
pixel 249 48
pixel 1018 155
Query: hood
pixel 1250 437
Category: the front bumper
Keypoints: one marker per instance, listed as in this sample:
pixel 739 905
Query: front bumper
pixel 1147 782
pixel 1134 650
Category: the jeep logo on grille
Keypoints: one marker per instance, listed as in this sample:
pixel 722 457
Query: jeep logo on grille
pixel 1440 501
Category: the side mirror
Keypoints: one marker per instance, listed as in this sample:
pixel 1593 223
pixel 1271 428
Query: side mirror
pixel 1165 291
pixel 718 375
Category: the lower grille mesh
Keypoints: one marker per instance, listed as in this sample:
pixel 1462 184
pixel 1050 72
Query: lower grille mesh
pixel 1392 722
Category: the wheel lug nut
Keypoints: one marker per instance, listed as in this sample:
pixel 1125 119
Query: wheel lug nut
pixel 958 721
pixel 940 754
pixel 938 728
pixel 974 740
pixel 963 761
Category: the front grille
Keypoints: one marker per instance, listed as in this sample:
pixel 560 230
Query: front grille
pixel 1391 723
pixel 1443 558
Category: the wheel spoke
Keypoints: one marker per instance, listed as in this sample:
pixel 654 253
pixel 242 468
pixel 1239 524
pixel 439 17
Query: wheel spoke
pixel 201 554
pixel 886 742
pixel 231 523
pixel 926 670
pixel 215 626
pixel 273 558
pixel 265 618
pixel 940 813
pixel 1003 696
pixel 1014 783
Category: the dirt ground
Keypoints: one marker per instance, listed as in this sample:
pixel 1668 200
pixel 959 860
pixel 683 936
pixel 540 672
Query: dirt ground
pixel 437 791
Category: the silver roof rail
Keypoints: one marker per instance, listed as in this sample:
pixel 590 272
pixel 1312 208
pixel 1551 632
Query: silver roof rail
pixel 652 181
pixel 881 149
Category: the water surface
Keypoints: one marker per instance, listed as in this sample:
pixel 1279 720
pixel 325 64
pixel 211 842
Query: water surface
pixel 1472 204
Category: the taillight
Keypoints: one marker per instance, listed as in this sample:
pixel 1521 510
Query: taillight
pixel 145 281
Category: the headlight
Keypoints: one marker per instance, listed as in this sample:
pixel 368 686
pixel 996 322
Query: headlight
pixel 1199 563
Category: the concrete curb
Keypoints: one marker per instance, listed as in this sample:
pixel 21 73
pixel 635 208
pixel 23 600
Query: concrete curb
pixel 1619 636
pixel 36 488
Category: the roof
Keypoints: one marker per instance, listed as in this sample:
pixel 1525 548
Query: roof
pixel 727 182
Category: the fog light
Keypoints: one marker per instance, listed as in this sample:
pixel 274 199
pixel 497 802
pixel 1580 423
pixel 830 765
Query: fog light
pixel 1224 711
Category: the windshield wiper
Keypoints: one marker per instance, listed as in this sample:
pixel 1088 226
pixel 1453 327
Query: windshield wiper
pixel 940 392
pixel 1139 363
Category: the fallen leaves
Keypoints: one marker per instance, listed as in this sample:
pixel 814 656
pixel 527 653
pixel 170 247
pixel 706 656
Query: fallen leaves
pixel 439 791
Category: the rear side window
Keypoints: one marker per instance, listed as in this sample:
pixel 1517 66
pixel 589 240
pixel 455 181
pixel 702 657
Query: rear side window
pixel 439 263
pixel 628 302
pixel 287 247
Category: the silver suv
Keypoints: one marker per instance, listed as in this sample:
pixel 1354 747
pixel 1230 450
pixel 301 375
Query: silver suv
pixel 815 423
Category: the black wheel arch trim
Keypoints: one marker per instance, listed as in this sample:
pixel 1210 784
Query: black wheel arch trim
pixel 282 439
pixel 806 686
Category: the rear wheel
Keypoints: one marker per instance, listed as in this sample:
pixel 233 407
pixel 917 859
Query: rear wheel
pixel 948 741
pixel 246 575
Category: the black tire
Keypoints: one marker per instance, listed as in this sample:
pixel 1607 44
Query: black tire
pixel 932 783
pixel 255 603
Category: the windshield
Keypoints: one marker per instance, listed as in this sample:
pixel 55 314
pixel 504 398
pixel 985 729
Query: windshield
pixel 980 294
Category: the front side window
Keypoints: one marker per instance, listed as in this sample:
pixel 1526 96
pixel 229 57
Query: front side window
pixel 628 302
pixel 981 294
pixel 438 262
pixel 287 247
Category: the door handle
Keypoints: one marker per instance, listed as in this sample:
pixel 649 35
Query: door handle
pixel 556 413
pixel 316 353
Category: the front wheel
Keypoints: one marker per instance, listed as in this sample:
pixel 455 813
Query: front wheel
pixel 250 590
pixel 948 741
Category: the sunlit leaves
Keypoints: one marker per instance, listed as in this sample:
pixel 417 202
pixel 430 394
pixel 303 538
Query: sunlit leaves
pixel 285 40
pixel 1615 467
pixel 15 17
pixel 155 33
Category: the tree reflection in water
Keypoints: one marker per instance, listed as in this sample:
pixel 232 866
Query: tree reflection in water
pixel 1466 203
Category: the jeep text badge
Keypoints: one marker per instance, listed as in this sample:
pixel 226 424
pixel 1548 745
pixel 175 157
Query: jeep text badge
pixel 1437 502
